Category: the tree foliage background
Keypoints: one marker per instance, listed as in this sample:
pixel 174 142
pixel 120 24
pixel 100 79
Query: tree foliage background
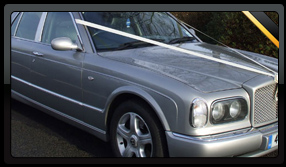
pixel 233 29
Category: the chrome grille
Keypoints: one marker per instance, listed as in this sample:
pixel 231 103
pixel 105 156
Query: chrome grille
pixel 265 105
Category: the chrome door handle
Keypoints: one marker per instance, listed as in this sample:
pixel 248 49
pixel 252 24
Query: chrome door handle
pixel 38 53
pixel 90 78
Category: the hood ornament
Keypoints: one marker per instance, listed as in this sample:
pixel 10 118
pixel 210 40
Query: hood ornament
pixel 276 94
pixel 276 78
pixel 276 91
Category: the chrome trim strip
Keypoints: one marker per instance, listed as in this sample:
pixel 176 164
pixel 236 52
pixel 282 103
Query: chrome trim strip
pixel 88 34
pixel 16 28
pixel 211 138
pixel 234 134
pixel 13 19
pixel 58 95
pixel 77 31
pixel 59 113
pixel 38 36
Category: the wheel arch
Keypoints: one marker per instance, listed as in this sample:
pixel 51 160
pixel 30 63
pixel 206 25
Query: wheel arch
pixel 129 92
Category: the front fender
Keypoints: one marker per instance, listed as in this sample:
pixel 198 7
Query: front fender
pixel 155 99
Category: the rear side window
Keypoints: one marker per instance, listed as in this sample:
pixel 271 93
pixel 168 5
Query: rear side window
pixel 15 23
pixel 28 25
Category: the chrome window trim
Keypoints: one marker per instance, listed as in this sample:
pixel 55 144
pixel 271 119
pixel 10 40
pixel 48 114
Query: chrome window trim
pixel 77 31
pixel 40 29
pixel 38 36
pixel 13 18
pixel 24 39
pixel 16 28
pixel 88 34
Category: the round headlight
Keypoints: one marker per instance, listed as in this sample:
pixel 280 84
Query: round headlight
pixel 229 110
pixel 218 111
pixel 235 109
pixel 199 113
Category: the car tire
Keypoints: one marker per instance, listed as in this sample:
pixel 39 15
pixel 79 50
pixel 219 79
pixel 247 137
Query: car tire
pixel 135 131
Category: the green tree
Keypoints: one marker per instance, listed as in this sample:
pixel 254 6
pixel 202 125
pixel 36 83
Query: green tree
pixel 233 29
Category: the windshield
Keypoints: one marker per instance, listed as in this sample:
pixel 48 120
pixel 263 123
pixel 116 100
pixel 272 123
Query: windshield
pixel 152 25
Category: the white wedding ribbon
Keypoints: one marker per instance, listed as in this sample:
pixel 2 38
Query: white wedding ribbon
pixel 234 50
pixel 111 30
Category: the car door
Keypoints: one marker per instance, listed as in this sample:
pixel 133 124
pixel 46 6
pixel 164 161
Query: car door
pixel 58 73
pixel 23 30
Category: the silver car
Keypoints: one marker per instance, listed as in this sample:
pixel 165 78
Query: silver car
pixel 147 100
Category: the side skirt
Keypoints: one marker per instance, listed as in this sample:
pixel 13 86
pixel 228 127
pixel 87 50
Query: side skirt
pixel 59 115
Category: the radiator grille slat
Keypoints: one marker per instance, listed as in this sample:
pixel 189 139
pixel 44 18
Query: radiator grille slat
pixel 265 105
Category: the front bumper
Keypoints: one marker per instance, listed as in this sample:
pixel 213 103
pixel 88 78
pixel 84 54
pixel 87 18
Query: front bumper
pixel 250 143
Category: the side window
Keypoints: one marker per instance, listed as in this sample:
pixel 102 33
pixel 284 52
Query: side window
pixel 28 25
pixel 15 22
pixel 58 24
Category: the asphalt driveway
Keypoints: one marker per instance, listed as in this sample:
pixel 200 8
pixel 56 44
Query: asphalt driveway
pixel 36 134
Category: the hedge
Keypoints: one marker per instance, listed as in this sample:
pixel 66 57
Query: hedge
pixel 231 28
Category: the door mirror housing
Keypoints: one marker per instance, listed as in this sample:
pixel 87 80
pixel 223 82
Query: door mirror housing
pixel 64 44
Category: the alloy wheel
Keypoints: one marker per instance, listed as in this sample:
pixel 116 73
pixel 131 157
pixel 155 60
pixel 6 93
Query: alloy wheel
pixel 133 136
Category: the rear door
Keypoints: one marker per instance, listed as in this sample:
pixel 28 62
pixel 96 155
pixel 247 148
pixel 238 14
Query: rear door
pixel 58 73
pixel 23 31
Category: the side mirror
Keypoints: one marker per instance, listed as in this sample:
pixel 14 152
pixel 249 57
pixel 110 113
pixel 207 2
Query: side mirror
pixel 64 44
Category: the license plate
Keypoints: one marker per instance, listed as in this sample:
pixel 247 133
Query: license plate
pixel 272 140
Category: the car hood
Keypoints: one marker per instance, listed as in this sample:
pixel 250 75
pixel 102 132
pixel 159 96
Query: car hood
pixel 199 73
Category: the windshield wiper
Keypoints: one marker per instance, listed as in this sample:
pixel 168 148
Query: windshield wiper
pixel 182 39
pixel 135 44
